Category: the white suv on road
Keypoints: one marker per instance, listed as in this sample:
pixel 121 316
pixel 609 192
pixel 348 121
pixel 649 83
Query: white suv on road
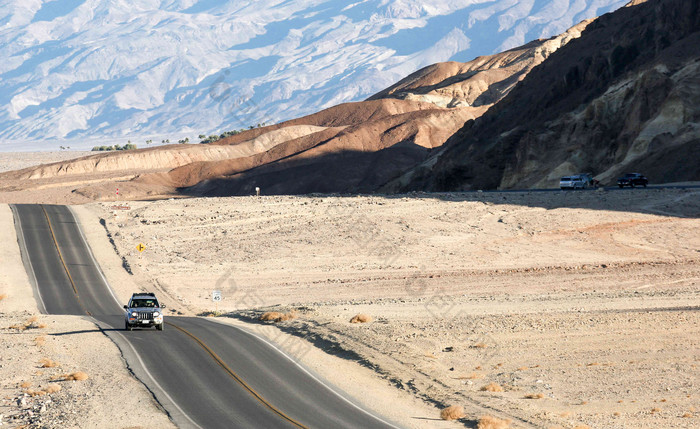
pixel 143 310
pixel 576 181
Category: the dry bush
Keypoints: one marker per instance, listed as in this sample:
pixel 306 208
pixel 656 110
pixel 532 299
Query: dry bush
pixel 492 387
pixel 75 376
pixel 453 412
pixel 490 422
pixel 523 368
pixel 3 296
pixel 475 376
pixel 479 346
pixel 40 340
pixel 32 319
pixel 593 364
pixel 534 396
pixel 18 327
pixel 582 427
pixel 41 326
pixel 477 367
pixel 687 415
pixel 48 363
pixel 48 390
pixel 617 414
pixel 566 414
pixel 655 410
pixel 276 316
pixel 25 385
pixel 361 318
pixel 53 388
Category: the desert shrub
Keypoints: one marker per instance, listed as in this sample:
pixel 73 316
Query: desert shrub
pixel 48 363
pixel 453 412
pixel 492 387
pixel 2 296
pixel 534 396
pixel 490 422
pixel 361 318
pixel 276 316
pixel 75 376
pixel 53 388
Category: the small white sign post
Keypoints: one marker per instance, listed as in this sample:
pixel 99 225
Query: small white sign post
pixel 216 297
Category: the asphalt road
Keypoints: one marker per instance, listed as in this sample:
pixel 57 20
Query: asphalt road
pixel 205 374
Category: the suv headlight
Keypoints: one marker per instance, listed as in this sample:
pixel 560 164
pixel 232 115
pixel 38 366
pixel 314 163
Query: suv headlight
pixel 134 314
pixel 156 314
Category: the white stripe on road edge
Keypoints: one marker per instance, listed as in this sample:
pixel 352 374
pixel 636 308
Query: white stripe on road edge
pixel 24 252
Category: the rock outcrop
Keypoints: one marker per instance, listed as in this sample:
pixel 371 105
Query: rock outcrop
pixel 623 96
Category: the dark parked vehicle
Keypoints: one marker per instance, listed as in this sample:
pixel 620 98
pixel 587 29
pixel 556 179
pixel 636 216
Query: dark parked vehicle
pixel 632 180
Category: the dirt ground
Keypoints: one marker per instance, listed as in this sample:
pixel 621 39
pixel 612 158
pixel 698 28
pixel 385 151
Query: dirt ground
pixel 582 307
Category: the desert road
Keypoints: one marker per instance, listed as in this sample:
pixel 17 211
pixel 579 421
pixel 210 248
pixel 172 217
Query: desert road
pixel 205 374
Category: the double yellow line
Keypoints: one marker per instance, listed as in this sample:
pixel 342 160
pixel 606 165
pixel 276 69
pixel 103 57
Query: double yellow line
pixel 63 262
pixel 211 352
pixel 236 377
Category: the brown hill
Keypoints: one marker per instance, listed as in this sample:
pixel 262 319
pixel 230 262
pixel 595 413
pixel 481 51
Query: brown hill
pixel 624 96
pixel 483 81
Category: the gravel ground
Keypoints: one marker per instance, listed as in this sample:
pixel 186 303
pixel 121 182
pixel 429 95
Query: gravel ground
pixel 582 306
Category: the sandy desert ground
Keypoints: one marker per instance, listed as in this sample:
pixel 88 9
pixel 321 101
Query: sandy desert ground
pixel 578 308
pixel 581 306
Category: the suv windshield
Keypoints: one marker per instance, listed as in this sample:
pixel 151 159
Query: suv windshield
pixel 141 303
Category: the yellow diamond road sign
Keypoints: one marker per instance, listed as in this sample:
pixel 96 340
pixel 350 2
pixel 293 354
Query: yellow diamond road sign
pixel 140 247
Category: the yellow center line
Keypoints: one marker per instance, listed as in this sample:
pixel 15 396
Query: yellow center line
pixel 235 376
pixel 63 262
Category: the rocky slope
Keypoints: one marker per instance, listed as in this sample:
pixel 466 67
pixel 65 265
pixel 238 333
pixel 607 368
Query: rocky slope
pixel 483 81
pixel 624 96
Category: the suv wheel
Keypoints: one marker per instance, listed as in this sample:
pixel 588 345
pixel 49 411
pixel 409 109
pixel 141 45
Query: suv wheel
pixel 127 326
pixel 159 327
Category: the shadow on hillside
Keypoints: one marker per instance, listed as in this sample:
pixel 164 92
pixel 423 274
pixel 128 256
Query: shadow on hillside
pixel 352 173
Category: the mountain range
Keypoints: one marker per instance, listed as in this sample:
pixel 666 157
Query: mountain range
pixel 86 71
pixel 613 94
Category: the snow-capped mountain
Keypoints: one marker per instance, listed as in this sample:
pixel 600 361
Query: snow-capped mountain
pixel 100 69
